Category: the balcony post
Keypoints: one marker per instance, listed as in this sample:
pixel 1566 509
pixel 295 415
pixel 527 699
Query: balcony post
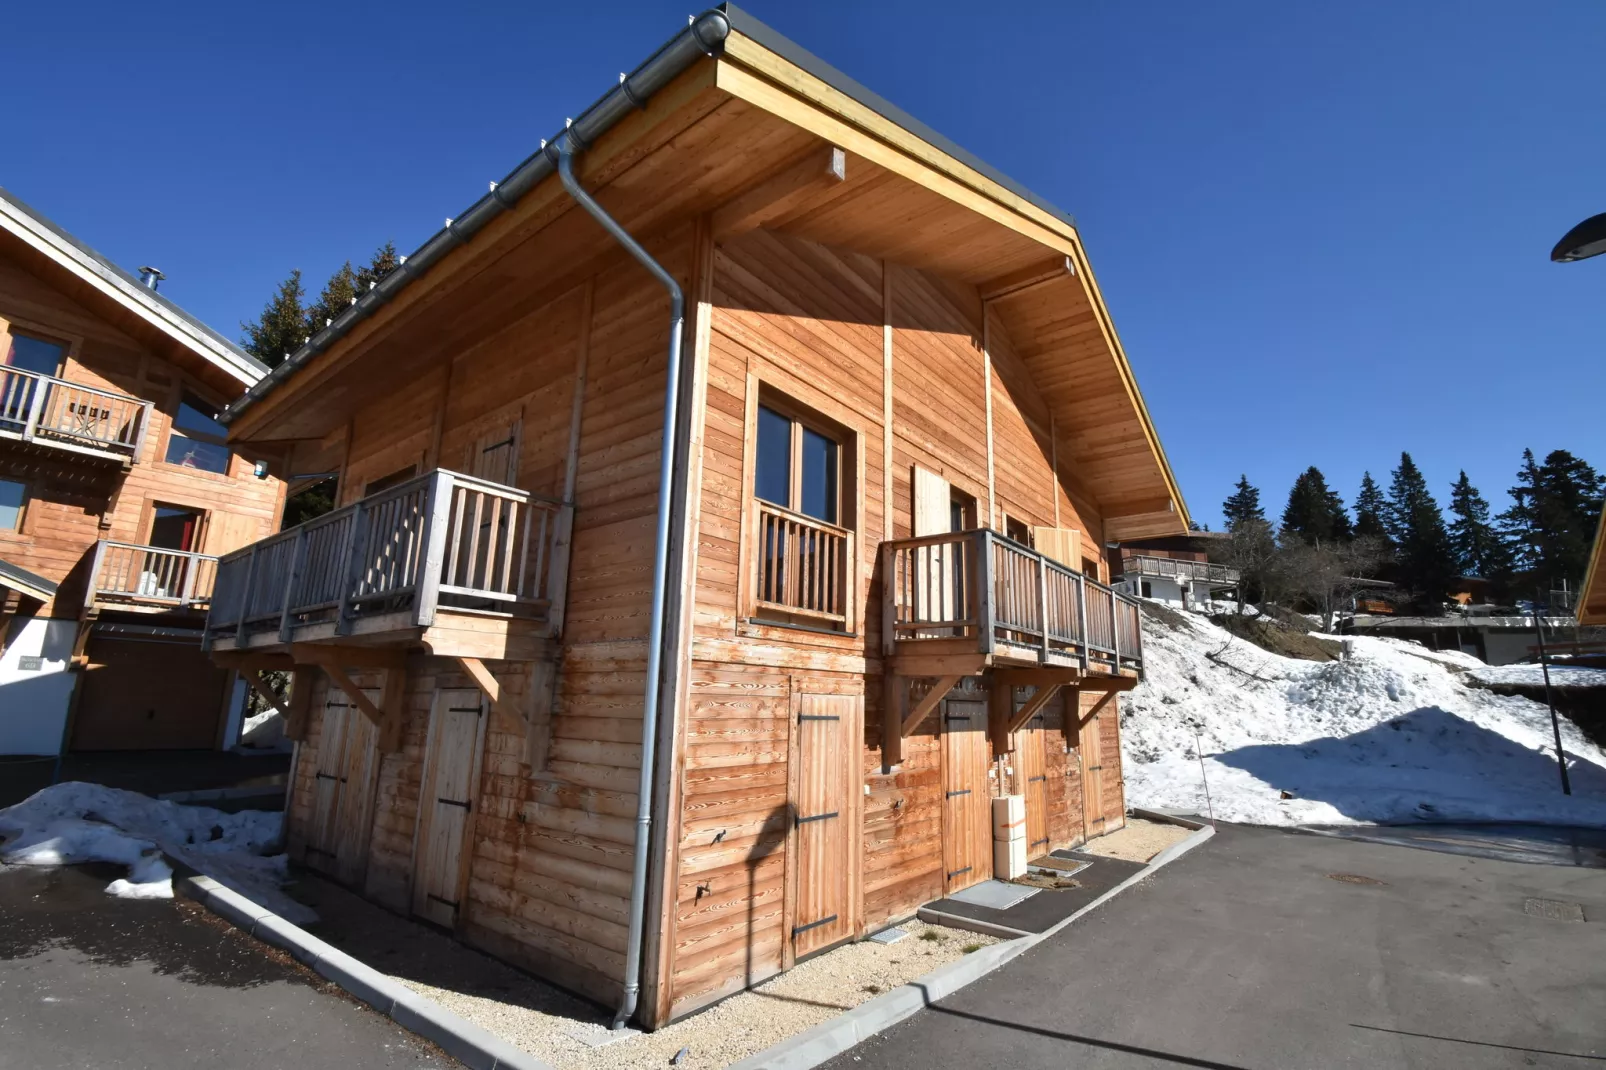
pixel 1042 602
pixel 94 572
pixel 187 590
pixel 36 401
pixel 986 612
pixel 437 518
pixel 298 562
pixel 889 600
pixel 1081 615
pixel 245 597
pixel 356 562
pixel 1115 628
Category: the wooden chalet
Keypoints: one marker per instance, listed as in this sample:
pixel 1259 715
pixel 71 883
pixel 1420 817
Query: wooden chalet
pixel 1592 595
pixel 117 493
pixel 901 432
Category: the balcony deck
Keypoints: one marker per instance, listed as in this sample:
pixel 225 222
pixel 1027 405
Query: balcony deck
pixel 964 602
pixel 63 415
pixel 1148 565
pixel 149 579
pixel 458 565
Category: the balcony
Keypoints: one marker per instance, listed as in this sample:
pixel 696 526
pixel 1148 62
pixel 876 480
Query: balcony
pixel 802 570
pixel 447 561
pixel 1175 568
pixel 976 598
pixel 52 412
pixel 149 578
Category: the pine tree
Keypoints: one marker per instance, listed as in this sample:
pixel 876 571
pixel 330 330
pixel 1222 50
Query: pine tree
pixel 1243 505
pixel 282 327
pixel 1415 523
pixel 338 295
pixel 1477 547
pixel 1315 513
pixel 1370 505
pixel 382 263
pixel 1551 524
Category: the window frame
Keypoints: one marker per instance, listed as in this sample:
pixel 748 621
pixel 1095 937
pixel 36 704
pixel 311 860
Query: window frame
pixel 182 387
pixel 22 507
pixel 147 519
pixel 805 407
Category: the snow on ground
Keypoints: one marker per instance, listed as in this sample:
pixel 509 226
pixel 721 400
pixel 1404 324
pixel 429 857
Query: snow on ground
pixel 263 731
pixel 76 822
pixel 1387 735
pixel 1534 675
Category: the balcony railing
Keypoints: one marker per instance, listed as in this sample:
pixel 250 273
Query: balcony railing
pixel 1008 598
pixel 441 540
pixel 803 565
pixel 126 573
pixel 42 408
pixel 1176 568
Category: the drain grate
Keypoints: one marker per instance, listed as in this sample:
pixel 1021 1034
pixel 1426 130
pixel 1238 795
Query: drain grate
pixel 1554 909
pixel 1355 878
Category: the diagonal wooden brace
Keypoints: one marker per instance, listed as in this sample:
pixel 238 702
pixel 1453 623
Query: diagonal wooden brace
pixel 1094 712
pixel 353 692
pixel 501 702
pixel 260 686
pixel 1034 705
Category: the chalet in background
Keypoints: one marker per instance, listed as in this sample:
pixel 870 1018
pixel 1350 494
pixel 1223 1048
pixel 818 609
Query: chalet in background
pixel 1177 570
pixel 117 493
pixel 658 649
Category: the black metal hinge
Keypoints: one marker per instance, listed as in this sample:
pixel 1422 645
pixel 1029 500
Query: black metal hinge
pixel 444 902
pixel 1034 843
pixel 1035 779
pixel 818 717
pixel 812 925
pixel 962 791
pixel 320 851
pixel 817 817
pixel 328 776
pixel 957 872
pixel 458 802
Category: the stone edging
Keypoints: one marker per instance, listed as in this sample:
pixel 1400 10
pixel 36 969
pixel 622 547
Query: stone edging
pixel 458 1037
pixel 830 1038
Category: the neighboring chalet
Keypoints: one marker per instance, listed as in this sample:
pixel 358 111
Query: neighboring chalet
pixel 1176 569
pixel 1592 595
pixel 860 594
pixel 117 493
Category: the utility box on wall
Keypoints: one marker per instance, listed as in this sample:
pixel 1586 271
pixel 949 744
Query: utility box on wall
pixel 1009 837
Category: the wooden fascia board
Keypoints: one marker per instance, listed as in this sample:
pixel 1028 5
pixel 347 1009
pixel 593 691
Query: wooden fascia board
pixel 1592 596
pixel 630 141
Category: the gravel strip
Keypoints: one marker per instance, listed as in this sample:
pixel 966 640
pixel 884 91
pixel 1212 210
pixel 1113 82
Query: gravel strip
pixel 1139 841
pixel 536 1017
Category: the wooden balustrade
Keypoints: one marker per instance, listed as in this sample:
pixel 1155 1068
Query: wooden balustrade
pixel 441 540
pixel 43 408
pixel 803 565
pixel 1008 597
pixel 129 574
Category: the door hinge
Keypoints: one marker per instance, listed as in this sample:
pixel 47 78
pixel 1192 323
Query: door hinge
pixel 442 900
pixel 818 817
pixel 1035 779
pixel 469 806
pixel 962 791
pixel 812 925
pixel 328 776
pixel 957 872
pixel 818 717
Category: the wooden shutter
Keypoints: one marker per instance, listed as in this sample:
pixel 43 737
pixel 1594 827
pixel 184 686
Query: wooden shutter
pixel 446 799
pixel 227 532
pixel 494 454
pixel 824 823
pixel 1059 544
pixel 936 589
pixel 967 828
pixel 932 499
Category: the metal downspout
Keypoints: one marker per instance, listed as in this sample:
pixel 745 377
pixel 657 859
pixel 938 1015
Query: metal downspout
pixel 564 152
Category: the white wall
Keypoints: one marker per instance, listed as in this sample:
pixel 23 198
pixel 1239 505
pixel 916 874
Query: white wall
pixel 33 702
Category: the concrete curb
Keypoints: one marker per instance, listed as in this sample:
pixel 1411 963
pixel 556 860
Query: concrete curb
pixel 831 1038
pixel 458 1037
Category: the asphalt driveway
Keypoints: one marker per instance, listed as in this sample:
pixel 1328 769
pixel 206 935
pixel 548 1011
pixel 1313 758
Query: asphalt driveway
pixel 1267 949
pixel 91 981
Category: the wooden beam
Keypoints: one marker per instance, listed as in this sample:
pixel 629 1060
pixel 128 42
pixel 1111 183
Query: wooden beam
pixel 299 715
pixel 350 657
pixel 1031 709
pixel 393 710
pixel 1026 278
pixel 939 664
pixel 1037 677
pixel 894 697
pixel 495 693
pixel 260 686
pixel 247 662
pixel 1083 718
pixel 928 703
pixel 353 692
pixel 1111 684
pixel 818 171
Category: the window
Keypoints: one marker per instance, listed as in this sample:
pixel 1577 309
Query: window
pixel 803 549
pixel 176 528
pixel 35 354
pixel 1017 530
pixel 12 497
pixel 961 511
pixel 197 439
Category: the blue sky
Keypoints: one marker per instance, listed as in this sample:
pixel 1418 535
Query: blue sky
pixel 1322 229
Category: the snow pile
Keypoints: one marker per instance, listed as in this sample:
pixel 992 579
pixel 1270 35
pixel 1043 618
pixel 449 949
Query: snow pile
pixel 1388 735
pixel 263 731
pixel 1534 675
pixel 75 822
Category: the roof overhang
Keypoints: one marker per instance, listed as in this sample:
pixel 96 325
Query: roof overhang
pixel 28 584
pixel 1592 596
pixel 99 277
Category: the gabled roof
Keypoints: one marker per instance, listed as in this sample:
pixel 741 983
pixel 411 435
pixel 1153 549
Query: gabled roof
pixel 28 584
pixel 99 273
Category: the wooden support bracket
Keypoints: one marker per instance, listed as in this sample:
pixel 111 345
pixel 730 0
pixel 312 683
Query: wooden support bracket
pixel 938 692
pixel 353 692
pixel 1094 712
pixel 1033 706
pixel 820 170
pixel 495 693
pixel 260 686
pixel 895 723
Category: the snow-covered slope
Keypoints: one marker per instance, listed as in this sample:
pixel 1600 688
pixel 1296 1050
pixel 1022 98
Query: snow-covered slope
pixel 1389 735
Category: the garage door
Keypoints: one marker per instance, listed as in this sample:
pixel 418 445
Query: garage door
pixel 139 694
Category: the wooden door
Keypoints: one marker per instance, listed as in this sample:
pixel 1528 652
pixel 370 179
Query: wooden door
pixel 354 817
pixel 227 532
pixel 1031 759
pixel 824 824
pixel 323 831
pixel 446 800
pixel 967 828
pixel 1092 778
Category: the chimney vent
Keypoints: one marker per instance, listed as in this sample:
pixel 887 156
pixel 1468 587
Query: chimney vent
pixel 150 277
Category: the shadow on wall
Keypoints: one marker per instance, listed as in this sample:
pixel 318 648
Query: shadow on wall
pixel 1426 754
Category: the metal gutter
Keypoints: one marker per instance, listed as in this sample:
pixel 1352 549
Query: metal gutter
pixel 704 36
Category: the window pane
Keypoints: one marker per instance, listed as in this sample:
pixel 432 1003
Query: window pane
pixel 35 354
pixel 193 453
pixel 773 475
pixel 197 416
pixel 11 495
pixel 819 477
